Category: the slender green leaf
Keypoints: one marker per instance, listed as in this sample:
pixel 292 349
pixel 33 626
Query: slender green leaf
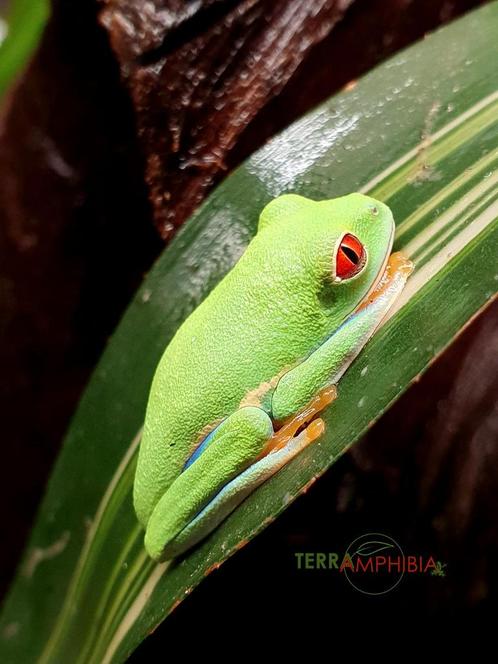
pixel 420 133
pixel 20 34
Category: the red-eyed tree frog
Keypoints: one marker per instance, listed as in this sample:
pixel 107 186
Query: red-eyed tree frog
pixel 238 389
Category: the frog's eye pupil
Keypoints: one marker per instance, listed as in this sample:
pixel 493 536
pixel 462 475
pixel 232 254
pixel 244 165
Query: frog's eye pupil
pixel 350 257
pixel 351 254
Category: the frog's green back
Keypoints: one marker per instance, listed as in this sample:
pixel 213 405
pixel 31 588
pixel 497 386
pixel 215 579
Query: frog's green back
pixel 276 306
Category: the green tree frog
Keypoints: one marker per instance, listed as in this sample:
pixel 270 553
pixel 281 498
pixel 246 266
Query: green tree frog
pixel 238 389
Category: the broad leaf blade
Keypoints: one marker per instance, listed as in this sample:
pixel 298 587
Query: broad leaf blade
pixel 420 133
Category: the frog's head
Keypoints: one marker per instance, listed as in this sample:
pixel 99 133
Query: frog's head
pixel 343 243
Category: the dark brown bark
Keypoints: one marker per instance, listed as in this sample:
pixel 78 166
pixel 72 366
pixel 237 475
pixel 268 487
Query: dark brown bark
pixel 214 80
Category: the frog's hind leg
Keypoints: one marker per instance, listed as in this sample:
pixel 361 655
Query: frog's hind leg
pixel 279 449
pixel 227 451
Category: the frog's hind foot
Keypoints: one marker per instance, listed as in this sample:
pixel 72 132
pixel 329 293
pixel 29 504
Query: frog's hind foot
pixel 304 422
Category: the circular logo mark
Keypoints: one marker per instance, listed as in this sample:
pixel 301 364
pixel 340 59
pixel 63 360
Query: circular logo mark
pixel 374 564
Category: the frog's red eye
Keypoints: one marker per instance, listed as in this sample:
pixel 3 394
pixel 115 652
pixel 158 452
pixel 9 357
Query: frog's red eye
pixel 351 257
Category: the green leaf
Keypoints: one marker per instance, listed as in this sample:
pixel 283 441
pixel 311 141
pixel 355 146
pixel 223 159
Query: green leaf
pixel 23 27
pixel 420 133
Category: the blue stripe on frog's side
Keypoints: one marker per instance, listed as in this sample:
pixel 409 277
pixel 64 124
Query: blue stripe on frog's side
pixel 200 449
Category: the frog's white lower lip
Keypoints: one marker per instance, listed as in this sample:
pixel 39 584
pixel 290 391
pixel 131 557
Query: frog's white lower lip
pixel 380 273
pixel 398 269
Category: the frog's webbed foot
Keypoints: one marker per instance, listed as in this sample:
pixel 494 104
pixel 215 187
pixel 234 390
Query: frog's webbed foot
pixel 305 420
pixel 286 443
